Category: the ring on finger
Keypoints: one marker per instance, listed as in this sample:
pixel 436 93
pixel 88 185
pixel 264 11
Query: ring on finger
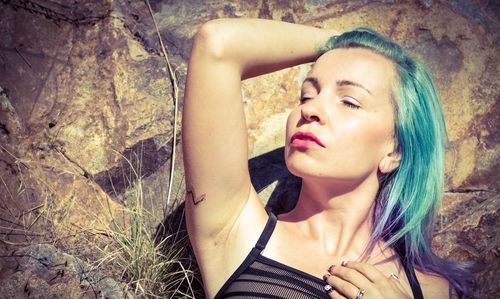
pixel 360 294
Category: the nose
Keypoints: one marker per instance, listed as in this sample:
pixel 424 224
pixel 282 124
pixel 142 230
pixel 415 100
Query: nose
pixel 313 111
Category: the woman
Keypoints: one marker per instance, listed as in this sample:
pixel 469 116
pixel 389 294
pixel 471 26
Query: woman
pixel 367 139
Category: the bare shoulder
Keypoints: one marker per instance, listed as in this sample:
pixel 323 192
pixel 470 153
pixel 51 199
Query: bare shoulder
pixel 433 285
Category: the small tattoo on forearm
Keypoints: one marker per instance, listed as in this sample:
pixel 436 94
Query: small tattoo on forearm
pixel 196 200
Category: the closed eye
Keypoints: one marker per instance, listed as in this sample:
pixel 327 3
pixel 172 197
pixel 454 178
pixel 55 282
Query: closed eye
pixel 304 99
pixel 350 103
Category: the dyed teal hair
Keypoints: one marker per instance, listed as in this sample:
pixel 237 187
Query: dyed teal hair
pixel 409 197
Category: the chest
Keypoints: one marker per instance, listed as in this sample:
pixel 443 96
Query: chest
pixel 307 256
pixel 300 254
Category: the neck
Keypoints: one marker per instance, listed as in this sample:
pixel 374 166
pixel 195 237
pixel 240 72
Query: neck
pixel 338 216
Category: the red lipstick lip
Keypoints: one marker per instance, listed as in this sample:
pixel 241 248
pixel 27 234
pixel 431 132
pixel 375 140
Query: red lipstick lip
pixel 306 136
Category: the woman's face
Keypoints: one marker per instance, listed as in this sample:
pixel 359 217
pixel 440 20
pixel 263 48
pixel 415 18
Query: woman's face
pixel 344 126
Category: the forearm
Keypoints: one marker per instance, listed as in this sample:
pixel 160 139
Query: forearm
pixel 259 46
pixel 214 132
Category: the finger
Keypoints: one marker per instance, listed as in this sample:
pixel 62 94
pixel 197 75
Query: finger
pixel 369 271
pixel 351 275
pixel 396 280
pixel 344 288
pixel 379 279
pixel 332 293
pixel 337 295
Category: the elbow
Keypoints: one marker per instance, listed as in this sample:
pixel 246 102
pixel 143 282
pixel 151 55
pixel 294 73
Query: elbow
pixel 213 39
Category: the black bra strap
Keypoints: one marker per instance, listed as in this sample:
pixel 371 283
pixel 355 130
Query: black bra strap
pixel 412 278
pixel 409 271
pixel 254 253
pixel 267 232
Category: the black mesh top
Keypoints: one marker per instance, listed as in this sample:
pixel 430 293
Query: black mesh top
pixel 262 277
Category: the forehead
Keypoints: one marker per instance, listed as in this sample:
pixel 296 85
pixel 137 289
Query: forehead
pixel 364 66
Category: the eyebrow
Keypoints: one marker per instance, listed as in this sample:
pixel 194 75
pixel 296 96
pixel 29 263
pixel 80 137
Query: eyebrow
pixel 315 82
pixel 351 83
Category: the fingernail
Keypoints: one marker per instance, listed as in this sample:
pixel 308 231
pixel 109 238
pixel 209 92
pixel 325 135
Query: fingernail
pixel 344 263
pixel 325 277
pixel 394 276
pixel 330 268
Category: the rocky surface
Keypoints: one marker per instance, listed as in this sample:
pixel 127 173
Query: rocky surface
pixel 41 270
pixel 85 99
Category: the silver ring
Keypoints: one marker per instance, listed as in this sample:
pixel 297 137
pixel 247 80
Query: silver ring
pixel 394 276
pixel 360 293
pixel 328 288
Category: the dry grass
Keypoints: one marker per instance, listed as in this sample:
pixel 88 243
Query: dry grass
pixel 152 262
pixel 147 253
pixel 153 265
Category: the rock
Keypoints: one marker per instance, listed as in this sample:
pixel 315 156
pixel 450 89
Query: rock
pixel 86 110
pixel 467 231
pixel 42 271
pixel 11 127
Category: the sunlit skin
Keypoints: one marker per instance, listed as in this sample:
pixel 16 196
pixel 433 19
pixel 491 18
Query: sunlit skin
pixel 346 103
pixel 354 122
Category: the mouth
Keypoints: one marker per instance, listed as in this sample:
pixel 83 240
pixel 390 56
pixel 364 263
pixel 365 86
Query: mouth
pixel 302 139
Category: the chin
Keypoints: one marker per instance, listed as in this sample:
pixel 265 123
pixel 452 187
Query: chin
pixel 300 170
pixel 302 166
pixel 335 176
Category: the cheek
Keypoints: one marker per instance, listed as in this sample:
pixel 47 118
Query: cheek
pixel 288 130
pixel 380 136
pixel 291 123
pixel 291 126
pixel 366 137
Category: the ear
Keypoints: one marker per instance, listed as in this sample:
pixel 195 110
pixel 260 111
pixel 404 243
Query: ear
pixel 390 162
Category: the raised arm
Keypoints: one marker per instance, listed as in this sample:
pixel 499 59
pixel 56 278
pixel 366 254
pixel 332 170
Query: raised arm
pixel 226 51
